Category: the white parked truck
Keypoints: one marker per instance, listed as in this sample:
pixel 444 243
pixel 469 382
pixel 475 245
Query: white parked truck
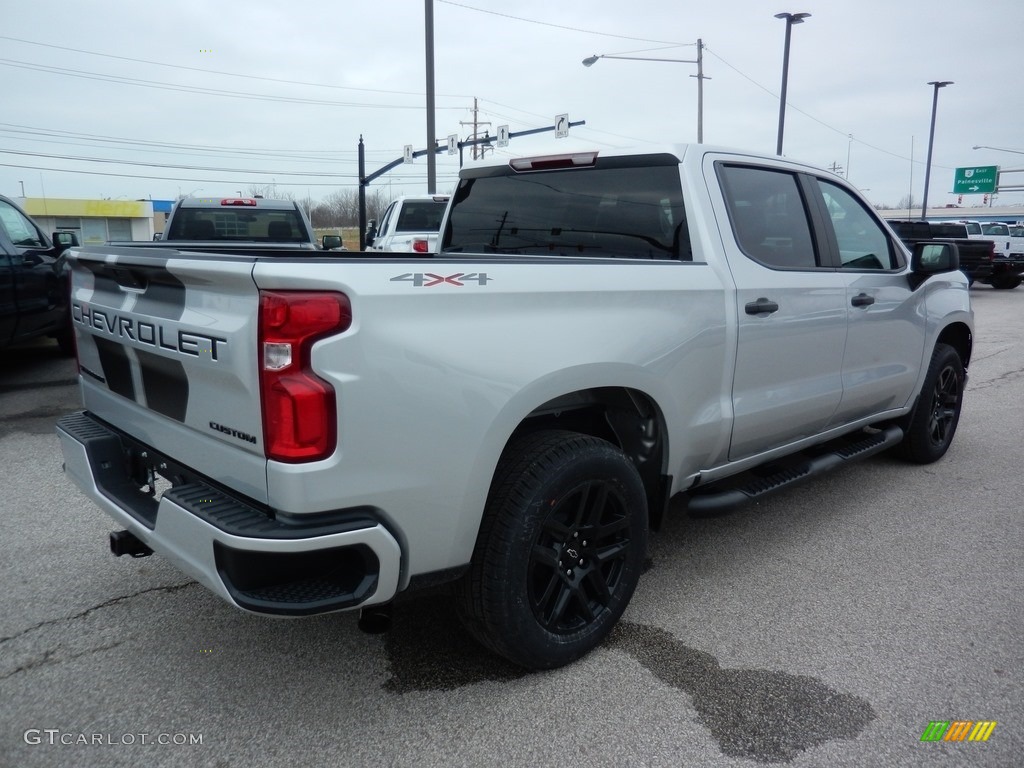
pixel 596 333
pixel 409 225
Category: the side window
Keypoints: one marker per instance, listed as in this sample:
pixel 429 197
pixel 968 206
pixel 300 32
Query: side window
pixel 862 242
pixel 768 216
pixel 385 220
pixel 22 232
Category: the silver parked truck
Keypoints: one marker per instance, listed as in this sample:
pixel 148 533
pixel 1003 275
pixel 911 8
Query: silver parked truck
pixel 596 333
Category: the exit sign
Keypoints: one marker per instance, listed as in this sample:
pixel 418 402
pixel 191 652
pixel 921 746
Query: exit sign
pixel 977 180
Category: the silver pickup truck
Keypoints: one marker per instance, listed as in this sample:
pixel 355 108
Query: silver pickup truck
pixel 598 333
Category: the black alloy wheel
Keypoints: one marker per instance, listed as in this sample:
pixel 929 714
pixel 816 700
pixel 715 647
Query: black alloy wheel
pixel 559 551
pixel 929 431
pixel 578 560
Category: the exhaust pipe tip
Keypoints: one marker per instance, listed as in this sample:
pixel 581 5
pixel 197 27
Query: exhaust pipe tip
pixel 375 620
pixel 127 543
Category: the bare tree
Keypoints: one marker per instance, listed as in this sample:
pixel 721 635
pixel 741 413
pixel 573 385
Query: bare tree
pixel 269 191
pixel 908 201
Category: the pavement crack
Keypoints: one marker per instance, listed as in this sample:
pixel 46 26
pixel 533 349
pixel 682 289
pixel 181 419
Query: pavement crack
pixel 1007 375
pixel 53 656
pixel 113 601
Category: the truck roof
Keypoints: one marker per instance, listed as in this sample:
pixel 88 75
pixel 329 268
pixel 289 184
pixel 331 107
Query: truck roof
pixel 679 151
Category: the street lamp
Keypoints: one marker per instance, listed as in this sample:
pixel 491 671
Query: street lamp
pixel 931 140
pixel 791 19
pixel 998 149
pixel 699 61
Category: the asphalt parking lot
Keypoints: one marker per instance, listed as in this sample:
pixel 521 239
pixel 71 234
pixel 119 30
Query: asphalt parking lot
pixel 827 625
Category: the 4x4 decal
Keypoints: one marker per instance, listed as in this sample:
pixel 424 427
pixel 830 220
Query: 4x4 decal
pixel 429 279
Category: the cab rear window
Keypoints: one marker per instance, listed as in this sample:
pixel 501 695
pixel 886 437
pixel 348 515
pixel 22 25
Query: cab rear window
pixel 253 225
pixel 623 207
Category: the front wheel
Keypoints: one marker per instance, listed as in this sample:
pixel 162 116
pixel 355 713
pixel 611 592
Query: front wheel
pixel 560 549
pixel 937 413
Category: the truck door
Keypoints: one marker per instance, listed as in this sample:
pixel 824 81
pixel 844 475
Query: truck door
pixel 791 310
pixel 885 336
pixel 36 283
pixel 8 307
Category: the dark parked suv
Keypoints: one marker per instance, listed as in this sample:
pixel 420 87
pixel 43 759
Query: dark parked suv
pixel 34 294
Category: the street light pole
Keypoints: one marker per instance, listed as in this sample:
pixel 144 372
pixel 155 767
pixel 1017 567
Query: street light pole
pixel 791 19
pixel 931 140
pixel 699 61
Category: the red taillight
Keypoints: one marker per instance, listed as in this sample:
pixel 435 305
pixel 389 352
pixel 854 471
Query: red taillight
pixel 299 411
pixel 238 201
pixel 419 246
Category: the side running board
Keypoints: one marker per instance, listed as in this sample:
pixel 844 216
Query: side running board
pixel 705 503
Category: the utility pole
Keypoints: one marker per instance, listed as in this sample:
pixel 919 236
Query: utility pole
pixel 431 133
pixel 476 130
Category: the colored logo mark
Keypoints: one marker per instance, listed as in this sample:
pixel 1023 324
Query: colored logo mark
pixel 958 730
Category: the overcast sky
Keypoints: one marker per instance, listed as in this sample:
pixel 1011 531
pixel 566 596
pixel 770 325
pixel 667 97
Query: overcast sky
pixel 215 97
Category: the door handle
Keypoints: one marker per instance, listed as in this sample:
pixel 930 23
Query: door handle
pixel 862 300
pixel 762 306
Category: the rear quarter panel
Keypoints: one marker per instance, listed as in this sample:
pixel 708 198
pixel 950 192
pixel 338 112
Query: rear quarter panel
pixel 432 380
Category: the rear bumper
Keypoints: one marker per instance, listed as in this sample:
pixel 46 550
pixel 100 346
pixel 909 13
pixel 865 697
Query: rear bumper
pixel 235 548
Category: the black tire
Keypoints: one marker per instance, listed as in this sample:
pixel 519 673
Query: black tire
pixel 937 413
pixel 560 549
pixel 1006 282
pixel 66 341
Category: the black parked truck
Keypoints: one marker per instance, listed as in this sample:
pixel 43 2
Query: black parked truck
pixel 978 258
pixel 34 293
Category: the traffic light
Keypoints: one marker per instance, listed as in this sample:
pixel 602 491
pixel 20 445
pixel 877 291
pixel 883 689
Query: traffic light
pixel 984 200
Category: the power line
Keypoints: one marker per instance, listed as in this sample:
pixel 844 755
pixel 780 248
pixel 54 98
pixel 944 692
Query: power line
pixel 845 134
pixel 219 72
pixel 258 151
pixel 121 80
pixel 561 26
pixel 226 182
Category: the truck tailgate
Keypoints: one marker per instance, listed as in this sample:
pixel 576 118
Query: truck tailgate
pixel 170 360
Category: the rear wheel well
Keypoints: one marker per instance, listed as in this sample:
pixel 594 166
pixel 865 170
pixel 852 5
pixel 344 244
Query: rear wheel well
pixel 628 419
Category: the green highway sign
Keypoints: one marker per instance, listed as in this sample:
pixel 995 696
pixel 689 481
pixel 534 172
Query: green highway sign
pixel 976 180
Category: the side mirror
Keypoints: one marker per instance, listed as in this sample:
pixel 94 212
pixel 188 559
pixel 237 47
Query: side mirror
pixel 371 232
pixel 330 242
pixel 933 258
pixel 64 240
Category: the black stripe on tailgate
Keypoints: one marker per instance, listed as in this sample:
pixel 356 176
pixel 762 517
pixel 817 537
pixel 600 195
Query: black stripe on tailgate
pixel 117 368
pixel 165 383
